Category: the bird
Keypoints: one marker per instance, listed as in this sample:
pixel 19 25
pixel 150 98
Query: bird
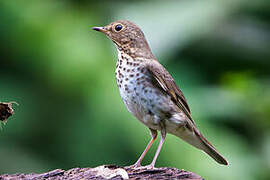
pixel 150 93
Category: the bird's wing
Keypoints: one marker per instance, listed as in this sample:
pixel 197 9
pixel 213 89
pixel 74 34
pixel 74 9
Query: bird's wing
pixel 163 80
pixel 166 83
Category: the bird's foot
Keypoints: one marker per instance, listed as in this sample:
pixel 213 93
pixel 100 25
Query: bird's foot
pixel 135 166
pixel 150 166
pixel 139 166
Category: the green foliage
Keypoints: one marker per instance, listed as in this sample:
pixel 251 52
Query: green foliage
pixel 70 114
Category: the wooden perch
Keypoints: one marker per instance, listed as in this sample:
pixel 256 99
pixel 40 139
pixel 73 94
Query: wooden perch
pixel 107 172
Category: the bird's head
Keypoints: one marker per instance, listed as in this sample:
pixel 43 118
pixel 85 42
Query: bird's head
pixel 127 36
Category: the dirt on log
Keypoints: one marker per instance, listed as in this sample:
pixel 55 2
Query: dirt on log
pixel 107 172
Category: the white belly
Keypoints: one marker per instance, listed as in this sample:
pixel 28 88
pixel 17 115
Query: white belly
pixel 138 93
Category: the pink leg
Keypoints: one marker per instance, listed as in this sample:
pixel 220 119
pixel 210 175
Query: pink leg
pixel 163 136
pixel 154 136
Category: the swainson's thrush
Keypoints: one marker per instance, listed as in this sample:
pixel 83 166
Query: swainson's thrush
pixel 150 93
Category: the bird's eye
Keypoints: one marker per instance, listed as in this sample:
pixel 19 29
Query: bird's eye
pixel 118 27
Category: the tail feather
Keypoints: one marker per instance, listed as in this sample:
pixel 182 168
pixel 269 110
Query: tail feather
pixel 196 139
pixel 211 151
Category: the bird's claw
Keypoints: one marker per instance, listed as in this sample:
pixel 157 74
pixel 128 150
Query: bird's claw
pixel 139 166
pixel 150 166
pixel 135 166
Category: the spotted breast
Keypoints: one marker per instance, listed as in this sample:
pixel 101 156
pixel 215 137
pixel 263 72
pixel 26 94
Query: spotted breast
pixel 144 101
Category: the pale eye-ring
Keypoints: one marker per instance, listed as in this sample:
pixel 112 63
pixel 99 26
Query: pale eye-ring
pixel 118 27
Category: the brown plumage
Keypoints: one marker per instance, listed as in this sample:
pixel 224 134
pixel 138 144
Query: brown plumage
pixel 149 91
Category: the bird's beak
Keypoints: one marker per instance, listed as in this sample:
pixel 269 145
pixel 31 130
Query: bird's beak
pixel 100 29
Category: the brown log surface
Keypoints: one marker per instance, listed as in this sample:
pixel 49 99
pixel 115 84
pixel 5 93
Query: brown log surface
pixel 107 172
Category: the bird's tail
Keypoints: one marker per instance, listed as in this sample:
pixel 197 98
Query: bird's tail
pixel 196 139
pixel 211 150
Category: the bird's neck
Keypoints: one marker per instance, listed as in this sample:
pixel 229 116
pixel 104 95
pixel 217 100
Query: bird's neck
pixel 136 49
pixel 136 52
pixel 131 57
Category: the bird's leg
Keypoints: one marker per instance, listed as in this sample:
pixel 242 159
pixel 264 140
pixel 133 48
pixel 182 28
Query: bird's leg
pixel 163 136
pixel 154 136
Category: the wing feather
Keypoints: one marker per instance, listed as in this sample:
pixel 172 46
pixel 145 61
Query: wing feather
pixel 167 84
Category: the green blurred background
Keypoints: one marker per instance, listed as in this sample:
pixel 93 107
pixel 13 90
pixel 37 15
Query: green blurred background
pixel 70 113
